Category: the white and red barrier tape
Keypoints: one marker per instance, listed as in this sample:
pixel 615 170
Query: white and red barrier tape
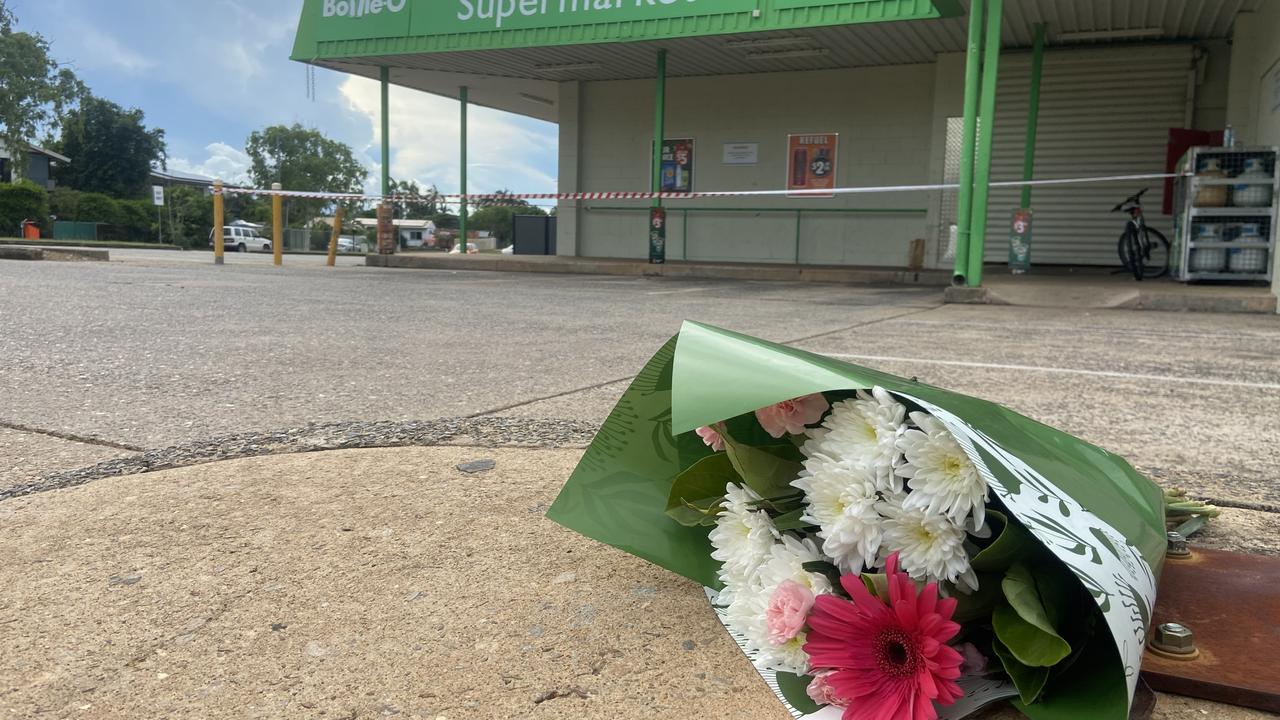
pixel 491 197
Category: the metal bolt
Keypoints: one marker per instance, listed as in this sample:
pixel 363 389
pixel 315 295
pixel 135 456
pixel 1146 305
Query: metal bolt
pixel 1177 545
pixel 1174 638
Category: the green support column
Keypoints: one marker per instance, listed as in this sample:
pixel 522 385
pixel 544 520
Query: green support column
pixel 659 124
pixel 1033 115
pixel 385 75
pixel 972 78
pixel 462 202
pixel 986 131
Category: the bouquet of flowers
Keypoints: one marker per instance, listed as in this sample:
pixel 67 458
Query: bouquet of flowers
pixel 878 547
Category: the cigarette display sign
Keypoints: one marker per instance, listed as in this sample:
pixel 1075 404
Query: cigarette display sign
pixel 812 162
pixel 677 165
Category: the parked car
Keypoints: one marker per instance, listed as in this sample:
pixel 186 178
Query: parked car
pixel 348 244
pixel 242 239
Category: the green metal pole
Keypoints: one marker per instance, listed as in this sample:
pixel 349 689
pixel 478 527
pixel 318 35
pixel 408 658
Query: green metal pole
pixel 684 236
pixel 462 202
pixel 798 237
pixel 986 132
pixel 1033 115
pixel 385 75
pixel 659 124
pixel 972 78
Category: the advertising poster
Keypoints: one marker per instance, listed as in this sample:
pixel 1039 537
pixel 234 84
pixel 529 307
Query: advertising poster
pixel 811 162
pixel 677 165
pixel 1020 241
pixel 657 236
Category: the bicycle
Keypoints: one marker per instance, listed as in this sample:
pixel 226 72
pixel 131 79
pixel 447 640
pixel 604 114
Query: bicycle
pixel 1143 250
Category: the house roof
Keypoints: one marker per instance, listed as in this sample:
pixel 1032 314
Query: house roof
pixel 56 156
pixel 405 224
pixel 173 176
pixel 38 151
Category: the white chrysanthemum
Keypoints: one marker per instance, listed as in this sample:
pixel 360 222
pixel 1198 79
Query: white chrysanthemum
pixel 943 480
pixel 786 562
pixel 864 431
pixel 930 547
pixel 748 612
pixel 743 538
pixel 840 498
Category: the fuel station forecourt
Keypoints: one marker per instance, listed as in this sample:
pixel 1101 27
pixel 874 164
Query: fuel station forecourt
pixel 951 95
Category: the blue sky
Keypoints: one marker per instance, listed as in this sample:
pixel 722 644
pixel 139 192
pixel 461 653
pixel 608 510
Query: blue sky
pixel 211 71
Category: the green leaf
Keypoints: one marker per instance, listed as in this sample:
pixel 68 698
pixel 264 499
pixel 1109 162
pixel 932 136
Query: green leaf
pixel 978 604
pixel 877 584
pixel 794 689
pixel 768 470
pixel 1030 681
pixel 791 520
pixel 698 492
pixel 1009 546
pixel 1024 625
pixel 832 573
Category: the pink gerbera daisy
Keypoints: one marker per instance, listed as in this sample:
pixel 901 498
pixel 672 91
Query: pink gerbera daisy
pixel 890 662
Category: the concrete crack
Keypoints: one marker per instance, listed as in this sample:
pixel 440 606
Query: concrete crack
pixel 615 381
pixel 84 440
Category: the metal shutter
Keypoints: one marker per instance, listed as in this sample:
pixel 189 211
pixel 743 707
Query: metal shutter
pixel 1102 112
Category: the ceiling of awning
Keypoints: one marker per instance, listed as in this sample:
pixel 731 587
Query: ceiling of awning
pixel 524 80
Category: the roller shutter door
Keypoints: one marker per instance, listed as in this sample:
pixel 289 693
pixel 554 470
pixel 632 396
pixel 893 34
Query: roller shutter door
pixel 1102 112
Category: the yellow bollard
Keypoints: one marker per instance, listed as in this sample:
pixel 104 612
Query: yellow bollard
pixel 217 223
pixel 333 239
pixel 277 226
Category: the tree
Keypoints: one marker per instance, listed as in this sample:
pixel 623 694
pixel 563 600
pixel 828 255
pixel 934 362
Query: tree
pixel 303 159
pixel 419 203
pixel 497 216
pixel 34 89
pixel 111 150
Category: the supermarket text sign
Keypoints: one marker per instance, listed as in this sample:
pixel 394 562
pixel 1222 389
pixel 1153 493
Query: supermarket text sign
pixel 482 15
pixel 361 19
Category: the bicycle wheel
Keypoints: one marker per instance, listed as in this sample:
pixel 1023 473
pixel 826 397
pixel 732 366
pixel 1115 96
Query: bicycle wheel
pixel 1157 254
pixel 1130 250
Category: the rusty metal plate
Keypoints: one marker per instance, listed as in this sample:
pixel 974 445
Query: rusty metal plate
pixel 1232 604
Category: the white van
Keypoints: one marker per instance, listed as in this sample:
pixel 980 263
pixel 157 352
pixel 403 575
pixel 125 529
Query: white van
pixel 240 239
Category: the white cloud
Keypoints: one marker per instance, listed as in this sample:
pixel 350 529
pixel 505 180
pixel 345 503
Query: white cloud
pixel 96 48
pixel 223 163
pixel 504 150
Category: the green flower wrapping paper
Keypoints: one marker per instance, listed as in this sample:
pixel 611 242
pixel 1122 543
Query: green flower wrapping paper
pixel 1067 556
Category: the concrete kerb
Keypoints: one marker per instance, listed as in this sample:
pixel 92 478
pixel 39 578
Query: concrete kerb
pixel 1200 299
pixel 671 269
pixel 57 254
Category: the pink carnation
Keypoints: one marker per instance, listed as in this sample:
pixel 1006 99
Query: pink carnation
pixel 821 692
pixel 791 416
pixel 789 607
pixel 711 438
pixel 974 662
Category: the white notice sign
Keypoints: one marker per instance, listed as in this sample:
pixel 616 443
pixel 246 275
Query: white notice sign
pixel 741 153
pixel 157 195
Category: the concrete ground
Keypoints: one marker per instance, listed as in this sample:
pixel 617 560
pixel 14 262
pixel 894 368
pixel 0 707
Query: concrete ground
pixel 154 349
pixel 357 584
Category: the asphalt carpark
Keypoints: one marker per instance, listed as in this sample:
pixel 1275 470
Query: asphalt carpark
pixel 162 348
pixel 159 349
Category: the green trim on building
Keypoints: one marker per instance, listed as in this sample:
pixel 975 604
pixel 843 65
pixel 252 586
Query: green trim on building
pixel 416 28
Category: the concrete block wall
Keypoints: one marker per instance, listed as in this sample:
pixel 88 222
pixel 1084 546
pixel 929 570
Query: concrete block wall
pixel 885 117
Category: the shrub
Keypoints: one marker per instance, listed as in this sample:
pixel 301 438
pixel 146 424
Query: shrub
pixel 22 201
pixel 98 208
pixel 137 220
